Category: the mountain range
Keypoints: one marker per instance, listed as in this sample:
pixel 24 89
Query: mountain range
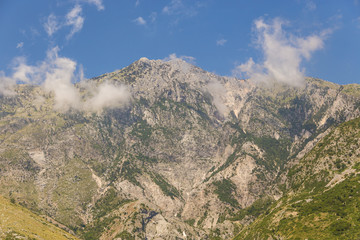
pixel 183 154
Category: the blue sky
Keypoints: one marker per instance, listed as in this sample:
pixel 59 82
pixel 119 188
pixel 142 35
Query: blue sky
pixel 228 37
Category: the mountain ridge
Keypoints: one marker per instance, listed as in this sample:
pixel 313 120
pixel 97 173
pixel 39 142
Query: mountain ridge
pixel 187 151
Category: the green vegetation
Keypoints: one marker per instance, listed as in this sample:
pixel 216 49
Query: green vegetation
pixel 259 207
pixel 332 214
pixel 337 148
pixel 276 151
pixel 146 159
pixel 352 89
pixel 165 187
pixel 224 190
pixel 202 219
pixel 129 171
pixel 315 209
pixel 191 222
pixel 341 200
pixel 108 203
pixel 215 234
pixel 227 163
pixel 125 235
pixel 96 229
pixel 142 130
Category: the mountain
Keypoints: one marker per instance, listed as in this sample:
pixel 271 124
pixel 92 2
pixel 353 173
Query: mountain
pixel 186 156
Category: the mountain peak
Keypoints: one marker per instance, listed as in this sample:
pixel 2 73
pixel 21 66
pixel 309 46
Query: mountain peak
pixel 143 59
pixel 175 62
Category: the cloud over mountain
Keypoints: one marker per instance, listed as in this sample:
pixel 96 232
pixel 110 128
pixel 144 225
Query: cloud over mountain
pixel 56 75
pixel 282 52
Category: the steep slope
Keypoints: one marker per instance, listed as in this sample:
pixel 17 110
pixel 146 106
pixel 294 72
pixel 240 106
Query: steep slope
pixel 323 193
pixel 189 150
pixel 17 222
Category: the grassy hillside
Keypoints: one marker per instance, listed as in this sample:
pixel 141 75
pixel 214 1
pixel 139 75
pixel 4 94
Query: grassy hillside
pixel 17 222
pixel 323 199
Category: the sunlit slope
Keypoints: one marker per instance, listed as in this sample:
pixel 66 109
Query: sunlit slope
pixel 323 200
pixel 17 222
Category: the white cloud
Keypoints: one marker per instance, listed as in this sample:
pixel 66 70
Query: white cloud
pixel 20 45
pixel 6 85
pixel 22 72
pixel 107 95
pixel 173 56
pixel 137 3
pixel 183 63
pixel 75 20
pixel 59 74
pixel 51 25
pixel 98 3
pixel 140 21
pixel 218 91
pixel 283 54
pixel 221 42
pixel 56 75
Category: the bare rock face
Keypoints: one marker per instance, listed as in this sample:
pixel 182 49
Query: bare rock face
pixel 189 151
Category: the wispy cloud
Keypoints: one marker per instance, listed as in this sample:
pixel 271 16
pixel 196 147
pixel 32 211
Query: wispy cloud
pixel 75 20
pixel 283 54
pixel 153 17
pixel 137 3
pixel 357 22
pixel 310 5
pixel 221 42
pixel 173 56
pixel 51 25
pixel 173 7
pixel 179 9
pixel 98 3
pixel 140 21
pixel 20 45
